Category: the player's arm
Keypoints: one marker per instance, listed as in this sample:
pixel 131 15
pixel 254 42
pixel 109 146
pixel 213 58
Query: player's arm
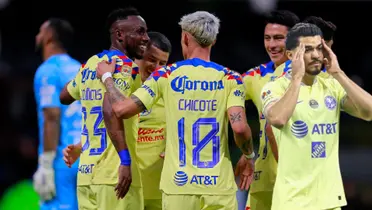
pixel 354 100
pixel 65 97
pixel 47 89
pixel 279 107
pixel 71 91
pixel 273 145
pixel 236 113
pixel 242 132
pixel 123 107
pixel 115 129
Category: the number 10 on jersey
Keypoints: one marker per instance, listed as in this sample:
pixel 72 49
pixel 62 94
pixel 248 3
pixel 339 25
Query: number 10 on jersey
pixel 199 143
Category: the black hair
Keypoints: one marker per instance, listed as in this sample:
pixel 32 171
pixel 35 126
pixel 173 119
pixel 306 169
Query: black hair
pixel 283 17
pixel 120 14
pixel 327 27
pixel 63 32
pixel 301 30
pixel 160 41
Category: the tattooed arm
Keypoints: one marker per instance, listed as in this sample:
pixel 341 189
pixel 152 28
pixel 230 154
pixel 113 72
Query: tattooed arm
pixel 241 129
pixel 123 107
pixel 114 125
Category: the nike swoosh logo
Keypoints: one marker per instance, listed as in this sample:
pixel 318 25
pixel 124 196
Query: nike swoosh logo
pixel 299 102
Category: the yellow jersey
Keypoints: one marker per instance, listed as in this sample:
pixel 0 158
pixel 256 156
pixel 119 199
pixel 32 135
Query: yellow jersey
pixel 99 160
pixel 197 95
pixel 150 144
pixel 265 165
pixel 308 175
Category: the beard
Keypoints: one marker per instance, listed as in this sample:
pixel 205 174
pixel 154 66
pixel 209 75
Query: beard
pixel 134 52
pixel 38 47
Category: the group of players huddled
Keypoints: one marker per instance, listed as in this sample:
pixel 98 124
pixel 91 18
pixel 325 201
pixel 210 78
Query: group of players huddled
pixel 140 134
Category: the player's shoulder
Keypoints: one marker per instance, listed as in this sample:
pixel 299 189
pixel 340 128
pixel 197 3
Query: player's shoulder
pixel 161 72
pixel 259 71
pixel 197 62
pixel 45 70
pixel 234 76
pixel 329 82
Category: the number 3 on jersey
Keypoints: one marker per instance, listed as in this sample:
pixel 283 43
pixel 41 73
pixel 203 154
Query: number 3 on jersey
pixel 199 144
pixel 97 110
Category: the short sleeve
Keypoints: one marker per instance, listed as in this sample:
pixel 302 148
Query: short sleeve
pixel 236 96
pixel 248 78
pixel 340 91
pixel 47 87
pixel 73 87
pixel 137 82
pixel 150 92
pixel 270 93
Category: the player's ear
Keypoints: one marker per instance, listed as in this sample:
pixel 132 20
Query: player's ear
pixel 186 39
pixel 214 42
pixel 119 35
pixel 289 54
pixel 48 36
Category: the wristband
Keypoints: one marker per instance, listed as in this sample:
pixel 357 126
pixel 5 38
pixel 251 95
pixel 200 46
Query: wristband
pixel 124 157
pixel 251 156
pixel 46 159
pixel 105 76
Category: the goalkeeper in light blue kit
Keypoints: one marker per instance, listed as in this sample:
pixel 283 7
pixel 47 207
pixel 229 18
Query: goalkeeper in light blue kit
pixel 59 125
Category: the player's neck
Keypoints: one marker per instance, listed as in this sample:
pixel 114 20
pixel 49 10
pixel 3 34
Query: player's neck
pixel 308 79
pixel 141 69
pixel 121 49
pixel 277 64
pixel 51 50
pixel 201 53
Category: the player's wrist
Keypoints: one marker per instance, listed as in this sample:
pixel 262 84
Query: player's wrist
pixel 105 76
pixel 250 156
pixel 46 159
pixel 124 156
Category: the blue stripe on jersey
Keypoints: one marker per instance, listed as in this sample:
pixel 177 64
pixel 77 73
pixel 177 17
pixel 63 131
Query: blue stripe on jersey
pixel 198 62
pixel 267 68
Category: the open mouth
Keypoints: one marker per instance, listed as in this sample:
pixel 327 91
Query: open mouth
pixel 143 47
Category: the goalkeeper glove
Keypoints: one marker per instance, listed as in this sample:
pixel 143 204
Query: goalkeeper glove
pixel 43 179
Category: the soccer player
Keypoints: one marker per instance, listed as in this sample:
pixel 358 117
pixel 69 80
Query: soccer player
pixel 200 96
pixel 99 183
pixel 151 133
pixel 306 110
pixel 328 30
pixel 59 125
pixel 277 25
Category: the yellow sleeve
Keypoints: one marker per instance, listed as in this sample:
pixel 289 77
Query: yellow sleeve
pixel 137 83
pixel 237 95
pixel 271 92
pixel 340 91
pixel 73 87
pixel 150 92
pixel 248 79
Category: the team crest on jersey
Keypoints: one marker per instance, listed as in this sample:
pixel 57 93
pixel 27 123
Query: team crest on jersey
pixel 330 102
pixel 126 70
pixel 313 104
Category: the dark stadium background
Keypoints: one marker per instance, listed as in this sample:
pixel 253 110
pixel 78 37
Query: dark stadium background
pixel 239 46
